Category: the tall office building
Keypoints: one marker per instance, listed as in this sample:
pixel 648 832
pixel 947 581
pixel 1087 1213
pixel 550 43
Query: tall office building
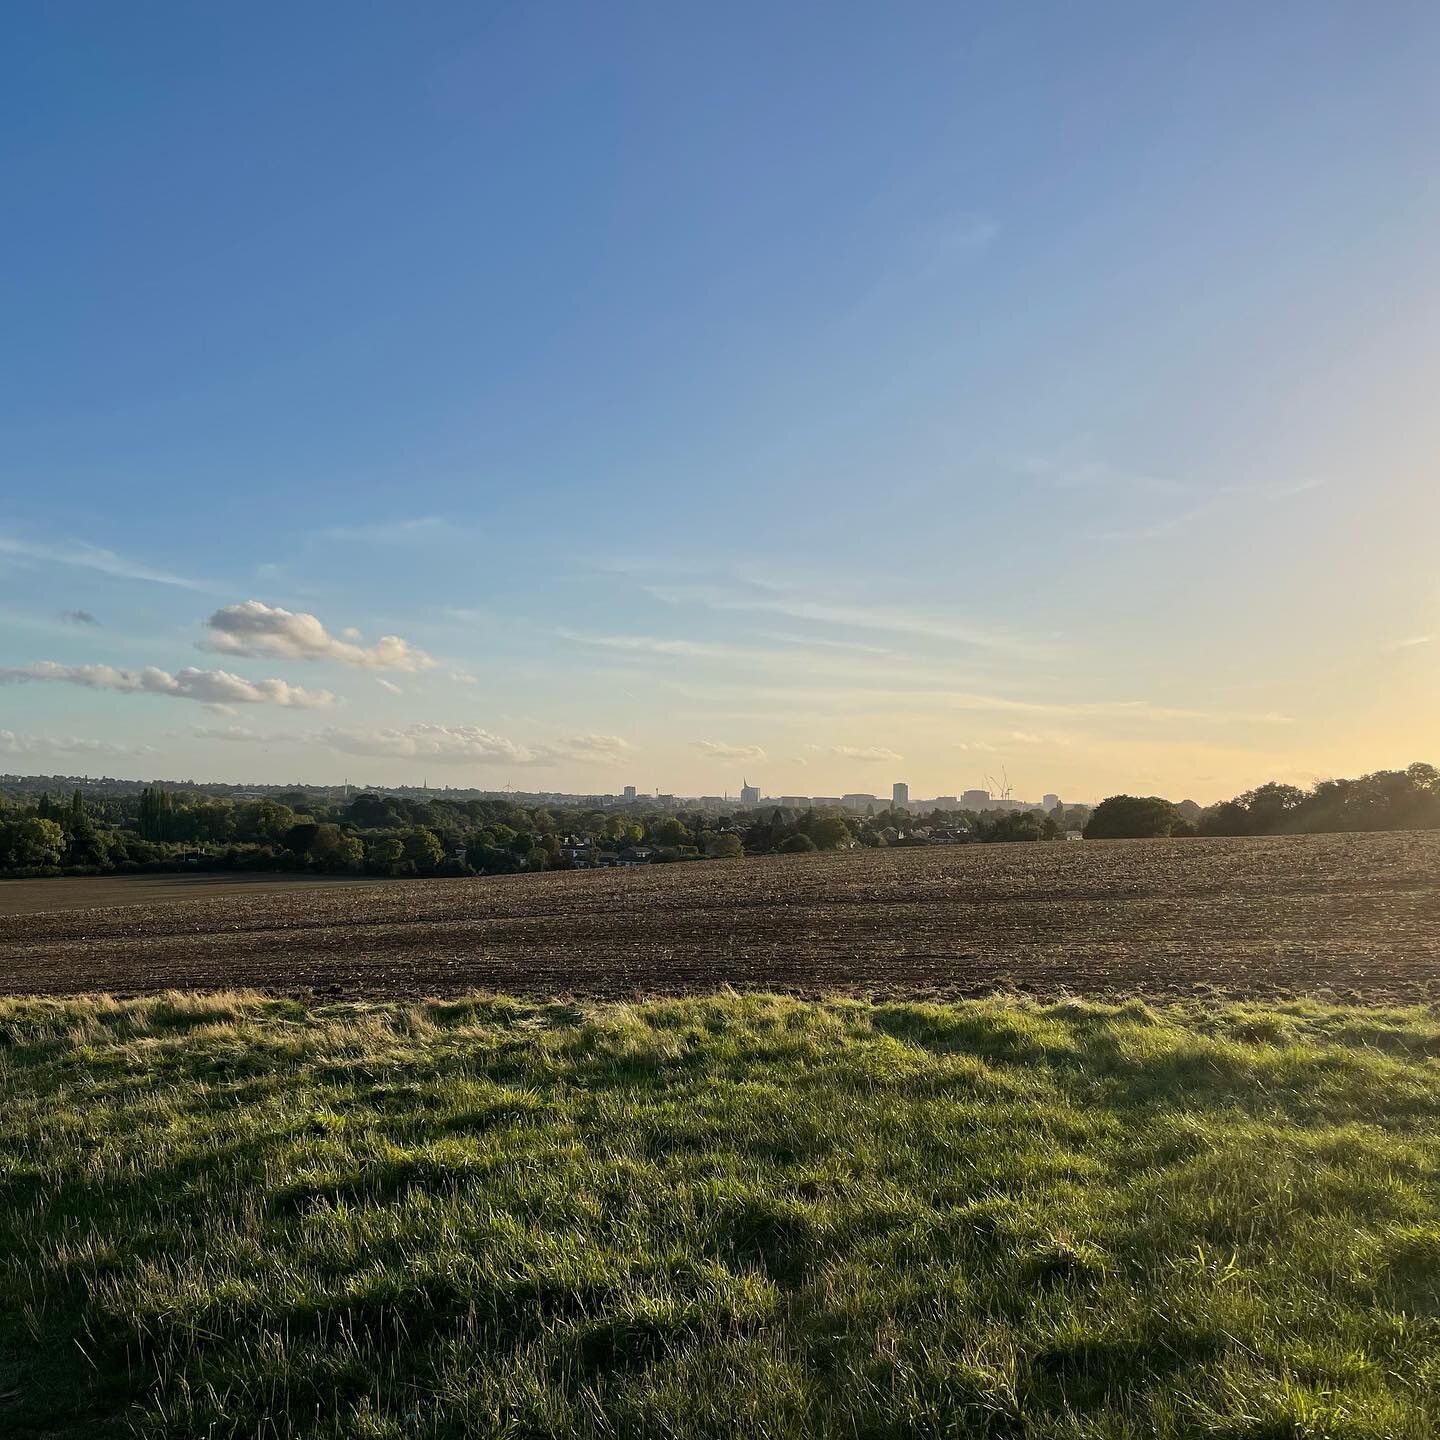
pixel 1049 802
pixel 749 794
pixel 629 792
pixel 975 800
pixel 900 795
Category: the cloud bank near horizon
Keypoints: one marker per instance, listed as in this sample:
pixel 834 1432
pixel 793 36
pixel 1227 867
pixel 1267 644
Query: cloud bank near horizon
pixel 470 745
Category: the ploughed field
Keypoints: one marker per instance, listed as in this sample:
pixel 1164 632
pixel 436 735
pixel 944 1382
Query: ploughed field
pixel 1356 917
pixel 101 892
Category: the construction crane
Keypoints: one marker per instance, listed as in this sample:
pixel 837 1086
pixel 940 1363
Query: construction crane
pixel 1000 791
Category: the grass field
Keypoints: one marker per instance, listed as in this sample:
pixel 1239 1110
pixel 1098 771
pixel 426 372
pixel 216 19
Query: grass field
pixel 235 1216
pixel 1349 917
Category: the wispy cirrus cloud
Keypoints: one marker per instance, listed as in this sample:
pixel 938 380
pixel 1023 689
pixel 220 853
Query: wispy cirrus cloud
pixel 917 622
pixel 209 687
pixel 254 628
pixel 1098 475
pixel 861 697
pixel 929 255
pixel 79 555
pixel 1219 500
pixel 657 645
pixel 1410 642
pixel 411 531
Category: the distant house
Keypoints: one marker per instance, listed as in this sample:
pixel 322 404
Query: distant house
pixel 1074 834
pixel 948 837
pixel 634 855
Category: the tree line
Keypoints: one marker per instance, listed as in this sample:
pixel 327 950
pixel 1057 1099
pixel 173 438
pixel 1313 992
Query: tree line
pixel 1406 799
pixel 393 835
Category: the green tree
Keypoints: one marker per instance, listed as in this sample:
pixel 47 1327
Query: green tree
pixel 422 849
pixel 264 821
pixel 32 841
pixel 157 813
pixel 1132 817
pixel 386 853
pixel 797 845
pixel 332 849
pixel 299 839
pixel 1018 825
pixel 1269 807
pixel 830 832
pixel 724 847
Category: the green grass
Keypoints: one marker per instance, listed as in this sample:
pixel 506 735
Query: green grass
pixel 227 1215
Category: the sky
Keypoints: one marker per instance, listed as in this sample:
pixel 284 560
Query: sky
pixel 568 396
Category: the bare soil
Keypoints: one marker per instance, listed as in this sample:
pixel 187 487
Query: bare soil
pixel 104 892
pixel 1344 916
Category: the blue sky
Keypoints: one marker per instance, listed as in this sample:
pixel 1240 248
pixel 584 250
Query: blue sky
pixel 833 394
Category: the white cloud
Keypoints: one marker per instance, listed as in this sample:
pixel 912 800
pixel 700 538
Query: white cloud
pixel 470 745
pixel 227 732
pixel 389 685
pixel 864 752
pixel 81 556
pixel 210 687
pixel 461 744
pixel 580 747
pixel 721 751
pixel 1409 643
pixel 255 628
pixel 66 745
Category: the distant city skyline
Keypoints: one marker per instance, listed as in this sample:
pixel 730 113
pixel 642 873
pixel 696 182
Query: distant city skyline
pixel 571 396
pixel 746 796
pixel 751 797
